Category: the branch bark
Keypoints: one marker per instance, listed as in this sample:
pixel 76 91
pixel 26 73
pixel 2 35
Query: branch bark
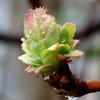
pixel 68 85
pixel 92 86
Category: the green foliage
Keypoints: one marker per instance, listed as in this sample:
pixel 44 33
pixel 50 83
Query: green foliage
pixel 46 43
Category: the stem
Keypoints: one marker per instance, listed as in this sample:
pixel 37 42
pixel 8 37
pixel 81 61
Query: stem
pixel 66 84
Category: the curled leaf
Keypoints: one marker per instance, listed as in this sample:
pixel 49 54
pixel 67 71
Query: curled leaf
pixel 71 31
pixel 75 54
pixel 56 49
pixel 31 68
pixel 74 43
pixel 67 33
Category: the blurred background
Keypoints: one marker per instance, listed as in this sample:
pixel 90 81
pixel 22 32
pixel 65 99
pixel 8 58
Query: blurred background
pixel 15 83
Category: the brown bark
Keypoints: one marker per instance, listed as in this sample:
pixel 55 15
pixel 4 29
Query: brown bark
pixel 68 85
pixel 92 86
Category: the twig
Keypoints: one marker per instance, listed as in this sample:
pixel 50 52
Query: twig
pixel 68 85
pixel 92 86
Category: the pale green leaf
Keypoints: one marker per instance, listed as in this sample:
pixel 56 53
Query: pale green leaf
pixel 71 31
pixel 56 49
pixel 28 48
pixel 75 54
pixel 30 59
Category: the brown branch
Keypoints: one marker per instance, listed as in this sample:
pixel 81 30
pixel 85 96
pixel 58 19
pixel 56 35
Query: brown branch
pixel 68 85
pixel 92 86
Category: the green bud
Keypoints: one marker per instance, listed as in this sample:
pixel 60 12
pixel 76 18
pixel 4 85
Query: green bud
pixel 46 43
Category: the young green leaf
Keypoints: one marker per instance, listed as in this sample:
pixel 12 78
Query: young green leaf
pixel 46 43
pixel 66 33
pixel 71 31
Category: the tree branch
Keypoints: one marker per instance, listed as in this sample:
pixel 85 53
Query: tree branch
pixel 68 85
pixel 92 86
